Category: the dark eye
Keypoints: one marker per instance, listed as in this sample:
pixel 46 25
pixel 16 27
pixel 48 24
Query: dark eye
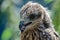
pixel 32 16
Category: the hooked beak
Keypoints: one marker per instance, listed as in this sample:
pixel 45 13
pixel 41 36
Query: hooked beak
pixel 23 25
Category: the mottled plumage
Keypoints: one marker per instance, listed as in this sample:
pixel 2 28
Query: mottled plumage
pixel 35 23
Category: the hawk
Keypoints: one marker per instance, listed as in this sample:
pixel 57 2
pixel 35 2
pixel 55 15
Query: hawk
pixel 35 23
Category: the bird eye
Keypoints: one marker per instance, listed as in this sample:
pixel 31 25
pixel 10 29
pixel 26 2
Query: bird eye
pixel 31 16
pixel 34 16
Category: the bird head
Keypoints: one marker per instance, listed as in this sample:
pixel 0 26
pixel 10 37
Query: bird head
pixel 31 14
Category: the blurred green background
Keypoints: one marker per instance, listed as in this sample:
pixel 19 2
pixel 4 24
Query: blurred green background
pixel 10 17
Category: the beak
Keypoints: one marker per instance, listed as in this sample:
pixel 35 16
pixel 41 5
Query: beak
pixel 23 25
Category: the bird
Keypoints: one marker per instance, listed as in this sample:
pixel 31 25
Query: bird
pixel 36 23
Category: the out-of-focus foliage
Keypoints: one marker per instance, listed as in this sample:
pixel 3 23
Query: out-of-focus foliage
pixel 48 1
pixel 11 31
pixel 7 34
pixel 56 16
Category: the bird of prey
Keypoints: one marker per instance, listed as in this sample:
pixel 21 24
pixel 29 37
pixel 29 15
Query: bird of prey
pixel 36 24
